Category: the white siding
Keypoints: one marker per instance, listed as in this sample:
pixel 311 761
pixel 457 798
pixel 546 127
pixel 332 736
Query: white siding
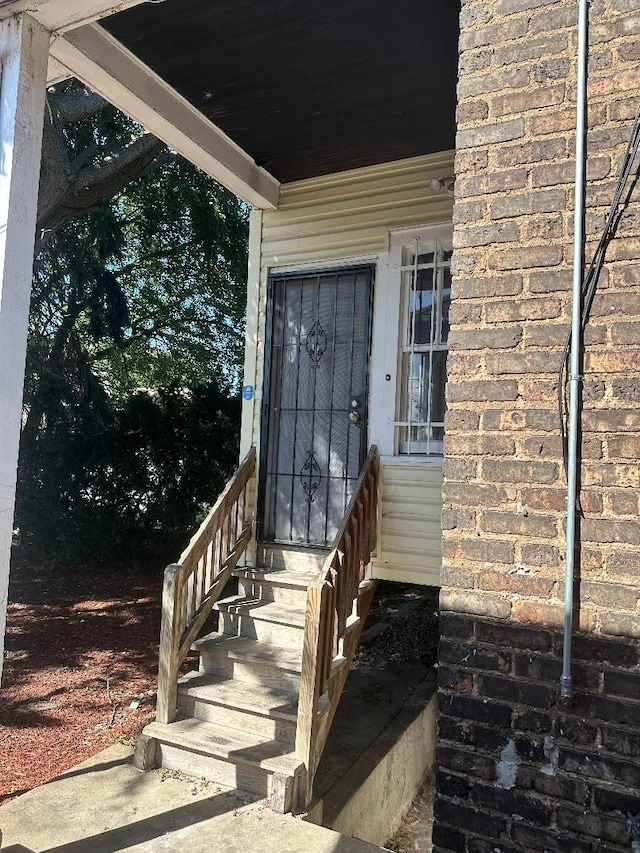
pixel 337 219
pixel 409 538
pixel 350 214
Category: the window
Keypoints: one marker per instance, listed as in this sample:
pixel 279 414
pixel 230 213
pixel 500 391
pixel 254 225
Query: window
pixel 425 282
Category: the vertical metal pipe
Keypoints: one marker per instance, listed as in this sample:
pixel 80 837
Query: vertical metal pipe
pixel 575 379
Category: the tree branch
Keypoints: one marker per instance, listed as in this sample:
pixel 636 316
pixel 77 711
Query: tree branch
pixel 75 106
pixel 139 336
pixel 151 256
pixel 88 189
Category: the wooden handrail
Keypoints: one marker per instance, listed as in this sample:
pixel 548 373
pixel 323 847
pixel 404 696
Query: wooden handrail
pixel 193 584
pixel 337 605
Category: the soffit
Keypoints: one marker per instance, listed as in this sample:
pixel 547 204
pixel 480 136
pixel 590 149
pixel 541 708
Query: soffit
pixel 309 87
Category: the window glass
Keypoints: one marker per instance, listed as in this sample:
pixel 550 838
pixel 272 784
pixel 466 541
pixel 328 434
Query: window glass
pixel 426 297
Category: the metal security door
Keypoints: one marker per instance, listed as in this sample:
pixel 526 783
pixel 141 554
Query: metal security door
pixel 315 403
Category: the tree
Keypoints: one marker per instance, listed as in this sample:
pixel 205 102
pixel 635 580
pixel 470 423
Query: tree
pixel 138 283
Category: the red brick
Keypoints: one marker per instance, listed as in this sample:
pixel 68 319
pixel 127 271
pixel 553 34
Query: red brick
pixel 491 183
pixel 550 281
pixel 494 606
pixel 516 471
pixel 525 256
pixel 459 469
pixel 602 530
pixel 480 445
pixel 530 49
pixel 547 20
pixel 490 134
pixel 625 333
pixel 471 160
pixel 492 34
pixel 495 81
pixel 485 235
pixel 508 311
pixel 486 288
pixel 537 151
pixel 459 518
pixel 624 447
pixel 543 228
pixel 489 391
pixel 624 563
pixel 472 112
pixel 620 624
pixel 612 421
pixel 461 420
pixel 611 362
pixel 522 362
pixel 611 596
pixel 474 495
pixel 535 554
pixel 521 102
pixel 622 502
pixel 551 615
pixel 512 7
pixel 517 523
pixel 525 204
pixel 543 447
pixel 475 339
pixel 469 211
pixel 516 584
pixel 454 576
pixel 554 500
pixel 480 549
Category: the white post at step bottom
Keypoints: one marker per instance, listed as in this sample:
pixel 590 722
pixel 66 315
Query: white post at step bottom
pixel 24 49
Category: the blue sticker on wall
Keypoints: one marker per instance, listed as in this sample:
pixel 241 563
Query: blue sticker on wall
pixel 247 392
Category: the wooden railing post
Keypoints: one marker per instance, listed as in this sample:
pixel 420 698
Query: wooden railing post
pixel 311 679
pixel 169 640
pixel 193 584
pixel 337 605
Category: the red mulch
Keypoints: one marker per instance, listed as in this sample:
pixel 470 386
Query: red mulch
pixel 81 647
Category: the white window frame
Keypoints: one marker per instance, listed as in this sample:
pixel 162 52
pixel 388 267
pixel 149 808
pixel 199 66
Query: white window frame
pixel 388 339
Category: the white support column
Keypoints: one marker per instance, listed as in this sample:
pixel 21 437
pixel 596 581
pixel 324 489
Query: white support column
pixel 24 48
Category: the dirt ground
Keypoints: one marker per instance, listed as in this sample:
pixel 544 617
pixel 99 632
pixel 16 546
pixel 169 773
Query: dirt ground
pixel 403 632
pixel 81 665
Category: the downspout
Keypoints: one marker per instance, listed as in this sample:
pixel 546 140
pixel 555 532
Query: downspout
pixel 575 378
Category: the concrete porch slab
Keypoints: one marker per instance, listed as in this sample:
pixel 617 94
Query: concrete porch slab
pixel 105 805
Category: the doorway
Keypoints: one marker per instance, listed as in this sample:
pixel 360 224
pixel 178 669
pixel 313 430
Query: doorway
pixel 315 403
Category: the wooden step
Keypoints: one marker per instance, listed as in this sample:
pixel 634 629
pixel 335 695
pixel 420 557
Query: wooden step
pixel 270 621
pixel 285 585
pixel 265 611
pixel 270 711
pixel 294 557
pixel 250 661
pixel 243 760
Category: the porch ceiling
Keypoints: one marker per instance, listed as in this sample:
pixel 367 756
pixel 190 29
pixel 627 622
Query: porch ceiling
pixel 308 87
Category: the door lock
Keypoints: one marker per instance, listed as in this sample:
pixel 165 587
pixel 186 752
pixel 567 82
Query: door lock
pixel 355 403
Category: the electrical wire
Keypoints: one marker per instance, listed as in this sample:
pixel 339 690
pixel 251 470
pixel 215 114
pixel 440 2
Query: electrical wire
pixel 590 281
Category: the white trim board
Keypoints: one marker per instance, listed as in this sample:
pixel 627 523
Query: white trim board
pixel 61 15
pixel 324 266
pixel 386 331
pixel 106 66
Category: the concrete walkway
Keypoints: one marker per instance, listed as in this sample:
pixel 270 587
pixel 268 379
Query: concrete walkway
pixel 105 805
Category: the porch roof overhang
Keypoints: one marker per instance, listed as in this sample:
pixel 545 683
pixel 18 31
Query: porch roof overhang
pixel 265 93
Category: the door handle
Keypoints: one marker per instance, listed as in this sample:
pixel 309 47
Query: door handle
pixel 354 417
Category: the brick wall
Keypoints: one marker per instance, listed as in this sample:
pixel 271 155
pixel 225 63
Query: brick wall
pixel 517 770
pixel 504 491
